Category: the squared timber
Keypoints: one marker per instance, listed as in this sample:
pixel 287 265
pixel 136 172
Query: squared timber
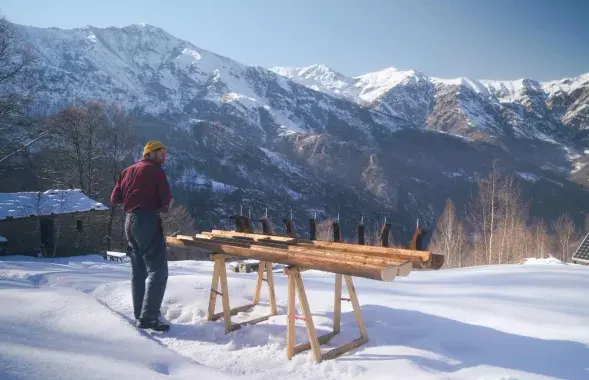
pixel 295 285
pixel 220 275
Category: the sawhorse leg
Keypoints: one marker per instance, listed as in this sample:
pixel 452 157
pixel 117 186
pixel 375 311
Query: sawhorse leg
pixel 220 275
pixel 295 285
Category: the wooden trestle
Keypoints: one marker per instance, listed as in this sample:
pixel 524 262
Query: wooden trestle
pixel 344 260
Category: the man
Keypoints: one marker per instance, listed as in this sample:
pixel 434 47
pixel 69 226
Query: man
pixel 143 190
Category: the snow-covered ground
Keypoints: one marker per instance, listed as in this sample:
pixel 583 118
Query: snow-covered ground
pixel 72 319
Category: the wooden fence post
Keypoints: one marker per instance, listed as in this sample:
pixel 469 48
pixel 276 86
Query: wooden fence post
pixel 417 240
pixel 384 235
pixel 290 228
pixel 361 239
pixel 266 229
pixel 336 232
pixel 313 229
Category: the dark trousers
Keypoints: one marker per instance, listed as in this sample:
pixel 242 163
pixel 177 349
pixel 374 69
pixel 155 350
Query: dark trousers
pixel 148 262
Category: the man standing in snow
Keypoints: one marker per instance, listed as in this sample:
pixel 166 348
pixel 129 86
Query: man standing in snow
pixel 143 190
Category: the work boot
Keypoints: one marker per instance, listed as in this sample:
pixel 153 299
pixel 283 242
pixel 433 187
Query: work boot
pixel 155 325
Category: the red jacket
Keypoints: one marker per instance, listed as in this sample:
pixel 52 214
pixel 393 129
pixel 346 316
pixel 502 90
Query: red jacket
pixel 142 186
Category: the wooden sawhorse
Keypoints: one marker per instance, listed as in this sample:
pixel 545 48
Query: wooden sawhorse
pixel 295 285
pixel 220 274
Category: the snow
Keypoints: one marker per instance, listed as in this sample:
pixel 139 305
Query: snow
pixel 317 77
pixel 544 261
pixel 71 319
pixel 25 204
pixel 281 162
pixel 222 187
pixel 3 239
pixel 566 85
pixel 116 254
pixel 578 166
pixel 532 177
pixel 364 88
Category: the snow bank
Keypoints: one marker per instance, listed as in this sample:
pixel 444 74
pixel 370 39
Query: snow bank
pixel 492 322
pixel 544 261
pixel 25 204
pixel 63 334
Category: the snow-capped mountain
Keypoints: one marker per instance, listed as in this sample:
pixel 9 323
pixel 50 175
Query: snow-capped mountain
pixel 553 111
pixel 390 143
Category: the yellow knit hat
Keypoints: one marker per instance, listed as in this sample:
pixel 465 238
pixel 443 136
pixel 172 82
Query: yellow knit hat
pixel 151 146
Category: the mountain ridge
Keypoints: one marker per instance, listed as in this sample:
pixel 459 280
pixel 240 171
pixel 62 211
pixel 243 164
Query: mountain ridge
pixel 245 135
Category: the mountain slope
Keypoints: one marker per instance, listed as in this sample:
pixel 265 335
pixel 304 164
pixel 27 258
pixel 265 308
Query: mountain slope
pixel 392 143
pixel 553 111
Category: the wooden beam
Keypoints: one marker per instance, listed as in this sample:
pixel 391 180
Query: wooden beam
pixel 404 266
pixel 346 256
pixel 420 259
pixel 380 272
pixel 271 293
pixel 311 332
pixel 337 304
pixel 234 311
pixel 256 237
pixel 356 306
pixel 322 340
pixel 332 354
pixel 290 320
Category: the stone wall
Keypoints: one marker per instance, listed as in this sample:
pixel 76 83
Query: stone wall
pixel 90 238
pixel 73 234
pixel 22 234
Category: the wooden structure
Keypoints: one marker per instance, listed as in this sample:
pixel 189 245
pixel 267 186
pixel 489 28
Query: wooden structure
pixel 343 259
pixel 220 275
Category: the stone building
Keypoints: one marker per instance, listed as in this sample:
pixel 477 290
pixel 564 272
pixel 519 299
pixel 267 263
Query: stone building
pixel 52 223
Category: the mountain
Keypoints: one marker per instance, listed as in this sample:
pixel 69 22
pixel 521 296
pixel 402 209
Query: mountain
pixel 555 111
pixel 392 143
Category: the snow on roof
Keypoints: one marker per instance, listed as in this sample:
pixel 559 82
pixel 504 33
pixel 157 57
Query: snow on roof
pixel 31 203
pixel 3 239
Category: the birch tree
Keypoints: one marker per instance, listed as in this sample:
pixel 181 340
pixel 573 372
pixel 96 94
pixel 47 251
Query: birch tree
pixel 450 237
pixel 564 235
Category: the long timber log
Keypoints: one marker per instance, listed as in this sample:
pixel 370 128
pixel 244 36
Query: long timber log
pixel 380 272
pixel 404 266
pixel 419 259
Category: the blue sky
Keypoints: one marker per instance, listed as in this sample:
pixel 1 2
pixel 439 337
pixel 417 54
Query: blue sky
pixel 493 39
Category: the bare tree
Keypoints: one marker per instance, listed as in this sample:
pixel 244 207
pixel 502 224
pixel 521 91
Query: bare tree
pixel 482 213
pixel 325 230
pixel 79 128
pixel 564 234
pixel 178 221
pixel 449 237
pixel 118 139
pixel 514 238
pixel 17 89
pixel 541 239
